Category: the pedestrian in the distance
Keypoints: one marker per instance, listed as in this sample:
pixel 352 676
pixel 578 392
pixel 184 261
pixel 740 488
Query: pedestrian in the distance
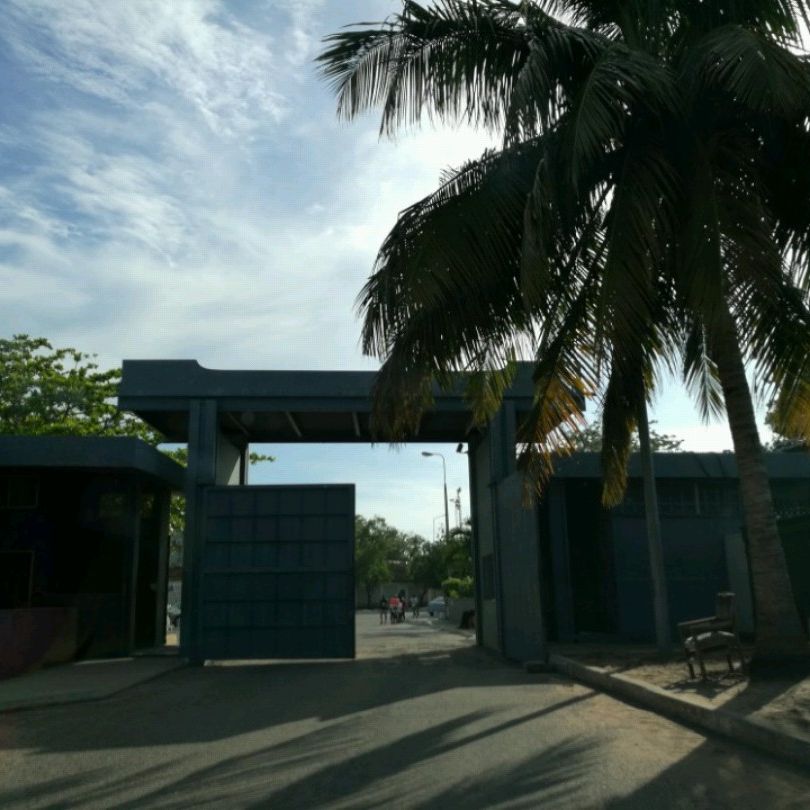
pixel 414 606
pixel 383 610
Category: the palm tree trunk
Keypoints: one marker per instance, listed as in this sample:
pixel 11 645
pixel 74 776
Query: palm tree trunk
pixel 779 633
pixel 654 544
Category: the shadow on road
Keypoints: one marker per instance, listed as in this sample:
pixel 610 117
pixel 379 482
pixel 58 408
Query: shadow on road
pixel 365 734
pixel 201 704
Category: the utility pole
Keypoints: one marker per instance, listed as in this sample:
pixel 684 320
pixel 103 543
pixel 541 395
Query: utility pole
pixel 444 478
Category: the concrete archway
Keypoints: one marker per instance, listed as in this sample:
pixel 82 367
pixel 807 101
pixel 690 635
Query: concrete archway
pixel 219 413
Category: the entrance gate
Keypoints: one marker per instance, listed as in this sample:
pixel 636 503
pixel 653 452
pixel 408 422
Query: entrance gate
pixel 237 602
pixel 278 572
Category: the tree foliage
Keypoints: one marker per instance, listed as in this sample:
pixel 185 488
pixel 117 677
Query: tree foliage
pixel 589 439
pixel 382 553
pixel 47 391
pixel 458 587
pixel 647 211
pixel 60 392
pixel 645 190
pixel 385 554
pixel 449 556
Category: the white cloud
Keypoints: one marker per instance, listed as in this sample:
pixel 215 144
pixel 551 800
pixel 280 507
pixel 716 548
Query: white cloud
pixel 175 184
pixel 117 51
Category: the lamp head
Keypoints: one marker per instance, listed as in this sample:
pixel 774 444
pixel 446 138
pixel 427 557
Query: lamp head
pixel 425 453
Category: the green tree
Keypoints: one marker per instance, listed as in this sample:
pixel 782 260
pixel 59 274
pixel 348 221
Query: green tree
pixel 457 551
pixel 428 569
pixel 376 544
pixel 60 392
pixel 649 205
pixel 47 391
pixel 780 443
pixel 448 557
pixel 590 439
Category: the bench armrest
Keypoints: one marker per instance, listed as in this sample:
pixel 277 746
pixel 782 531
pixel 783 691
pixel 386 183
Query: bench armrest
pixel 709 620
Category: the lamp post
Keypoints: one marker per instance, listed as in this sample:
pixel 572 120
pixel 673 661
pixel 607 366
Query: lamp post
pixel 444 478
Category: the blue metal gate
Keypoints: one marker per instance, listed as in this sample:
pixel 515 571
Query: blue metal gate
pixel 278 572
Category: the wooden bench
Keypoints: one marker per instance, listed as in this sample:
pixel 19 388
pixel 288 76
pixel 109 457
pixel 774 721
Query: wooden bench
pixel 713 633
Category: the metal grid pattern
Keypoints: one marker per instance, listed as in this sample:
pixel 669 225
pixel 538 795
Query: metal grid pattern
pixel 278 572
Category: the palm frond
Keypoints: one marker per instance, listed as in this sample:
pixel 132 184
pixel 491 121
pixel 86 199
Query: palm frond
pixel 639 231
pixel 752 70
pixel 619 418
pixel 559 58
pixel 453 59
pixel 700 373
pixel 696 262
pixel 785 184
pixel 564 375
pixel 623 85
pixel 445 295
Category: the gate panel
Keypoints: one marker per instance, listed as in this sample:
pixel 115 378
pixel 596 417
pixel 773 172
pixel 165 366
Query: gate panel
pixel 278 572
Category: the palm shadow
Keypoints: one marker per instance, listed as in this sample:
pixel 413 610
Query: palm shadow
pixel 290 773
pixel 205 704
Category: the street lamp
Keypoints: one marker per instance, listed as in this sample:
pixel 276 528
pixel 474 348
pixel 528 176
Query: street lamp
pixel 444 477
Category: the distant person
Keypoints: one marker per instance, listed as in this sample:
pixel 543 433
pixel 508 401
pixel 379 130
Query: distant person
pixel 383 610
pixel 393 605
pixel 414 606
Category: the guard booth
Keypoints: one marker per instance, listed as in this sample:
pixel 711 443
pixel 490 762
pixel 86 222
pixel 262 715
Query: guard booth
pixel 265 580
pixel 83 548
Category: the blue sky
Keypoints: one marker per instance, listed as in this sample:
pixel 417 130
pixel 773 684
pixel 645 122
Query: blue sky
pixel 174 184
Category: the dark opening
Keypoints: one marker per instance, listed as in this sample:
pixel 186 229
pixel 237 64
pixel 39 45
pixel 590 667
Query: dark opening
pixel 590 549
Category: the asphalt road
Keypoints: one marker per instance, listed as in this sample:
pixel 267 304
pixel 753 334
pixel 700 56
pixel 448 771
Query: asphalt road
pixel 421 720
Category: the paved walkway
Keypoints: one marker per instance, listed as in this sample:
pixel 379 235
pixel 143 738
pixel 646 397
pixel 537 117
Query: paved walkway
pixel 85 680
pixel 422 720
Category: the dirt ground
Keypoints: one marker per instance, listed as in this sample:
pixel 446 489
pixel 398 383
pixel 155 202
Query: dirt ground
pixel 784 703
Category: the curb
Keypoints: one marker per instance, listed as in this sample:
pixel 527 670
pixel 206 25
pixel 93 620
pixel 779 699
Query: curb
pixel 752 732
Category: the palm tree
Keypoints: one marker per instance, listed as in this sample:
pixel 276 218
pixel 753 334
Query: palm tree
pixel 648 208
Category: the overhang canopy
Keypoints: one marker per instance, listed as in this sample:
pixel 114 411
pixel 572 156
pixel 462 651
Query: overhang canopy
pixel 288 406
pixel 109 453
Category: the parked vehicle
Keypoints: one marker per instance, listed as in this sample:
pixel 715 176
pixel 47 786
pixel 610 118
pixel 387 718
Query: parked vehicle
pixel 437 607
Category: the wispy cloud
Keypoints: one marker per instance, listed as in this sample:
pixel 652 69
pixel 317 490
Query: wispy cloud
pixel 117 51
pixel 162 193
pixel 174 182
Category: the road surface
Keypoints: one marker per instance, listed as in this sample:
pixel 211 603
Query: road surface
pixel 422 719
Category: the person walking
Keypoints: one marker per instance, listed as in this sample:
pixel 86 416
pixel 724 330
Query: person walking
pixel 414 606
pixel 383 610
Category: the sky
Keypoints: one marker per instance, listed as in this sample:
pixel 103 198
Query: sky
pixel 175 184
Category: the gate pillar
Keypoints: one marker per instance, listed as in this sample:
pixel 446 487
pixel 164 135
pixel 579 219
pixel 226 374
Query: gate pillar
pixel 212 459
pixel 506 544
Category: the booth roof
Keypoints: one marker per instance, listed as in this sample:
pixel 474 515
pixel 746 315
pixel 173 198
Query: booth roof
pixel 687 465
pixel 119 453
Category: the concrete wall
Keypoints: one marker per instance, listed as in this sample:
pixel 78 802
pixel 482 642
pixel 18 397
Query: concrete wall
pixel 704 553
pixel 389 589
pixel 457 607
